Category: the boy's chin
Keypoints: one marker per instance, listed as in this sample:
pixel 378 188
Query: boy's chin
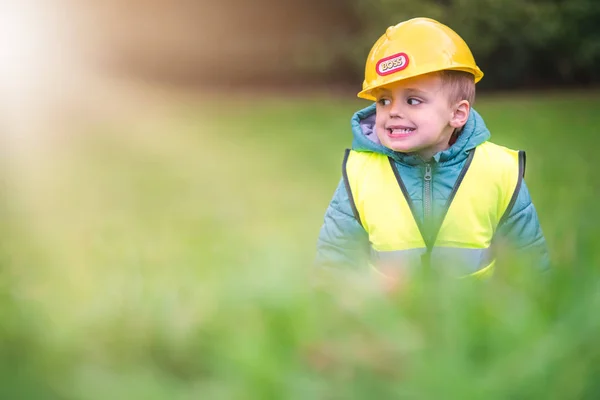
pixel 399 148
pixel 401 145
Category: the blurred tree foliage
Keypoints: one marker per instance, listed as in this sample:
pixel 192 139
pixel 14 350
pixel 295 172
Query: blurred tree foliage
pixel 517 43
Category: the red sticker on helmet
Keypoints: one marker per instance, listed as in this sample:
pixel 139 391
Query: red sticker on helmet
pixel 391 64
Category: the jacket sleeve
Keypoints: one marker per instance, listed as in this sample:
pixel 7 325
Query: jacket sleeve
pixel 521 230
pixel 342 242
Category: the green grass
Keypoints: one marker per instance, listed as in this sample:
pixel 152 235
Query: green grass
pixel 169 256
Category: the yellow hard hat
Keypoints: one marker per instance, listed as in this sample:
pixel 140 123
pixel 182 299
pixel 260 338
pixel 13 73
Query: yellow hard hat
pixel 414 47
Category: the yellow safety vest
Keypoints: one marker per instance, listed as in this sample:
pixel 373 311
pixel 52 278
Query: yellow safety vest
pixel 460 242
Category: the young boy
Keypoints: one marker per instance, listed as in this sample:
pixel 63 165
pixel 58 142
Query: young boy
pixel 422 187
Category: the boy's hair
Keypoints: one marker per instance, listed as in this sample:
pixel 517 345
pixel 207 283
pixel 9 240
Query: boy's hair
pixel 460 85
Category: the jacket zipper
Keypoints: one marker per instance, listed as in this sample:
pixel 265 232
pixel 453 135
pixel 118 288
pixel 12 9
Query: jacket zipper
pixel 427 200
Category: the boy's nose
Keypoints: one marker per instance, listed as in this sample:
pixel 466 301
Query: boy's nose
pixel 396 110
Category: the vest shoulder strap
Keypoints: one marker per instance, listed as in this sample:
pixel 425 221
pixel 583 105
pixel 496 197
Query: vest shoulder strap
pixel 509 166
pixel 358 166
pixel 522 164
pixel 348 187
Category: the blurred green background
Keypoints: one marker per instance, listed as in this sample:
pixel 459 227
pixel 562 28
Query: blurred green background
pixel 160 218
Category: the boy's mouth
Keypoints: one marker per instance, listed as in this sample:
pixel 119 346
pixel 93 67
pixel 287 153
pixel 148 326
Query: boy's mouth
pixel 399 131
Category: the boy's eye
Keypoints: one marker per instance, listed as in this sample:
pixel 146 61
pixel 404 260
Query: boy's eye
pixel 413 102
pixel 385 102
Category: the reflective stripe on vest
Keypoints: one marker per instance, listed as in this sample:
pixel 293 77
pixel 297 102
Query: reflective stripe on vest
pixel 484 193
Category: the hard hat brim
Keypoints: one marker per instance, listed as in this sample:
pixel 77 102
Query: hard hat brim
pixel 366 92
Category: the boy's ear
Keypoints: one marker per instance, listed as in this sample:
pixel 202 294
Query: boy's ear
pixel 460 115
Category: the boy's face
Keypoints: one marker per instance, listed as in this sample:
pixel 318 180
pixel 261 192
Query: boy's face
pixel 414 115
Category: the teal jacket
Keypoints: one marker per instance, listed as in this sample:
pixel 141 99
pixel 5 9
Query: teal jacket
pixel 343 241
